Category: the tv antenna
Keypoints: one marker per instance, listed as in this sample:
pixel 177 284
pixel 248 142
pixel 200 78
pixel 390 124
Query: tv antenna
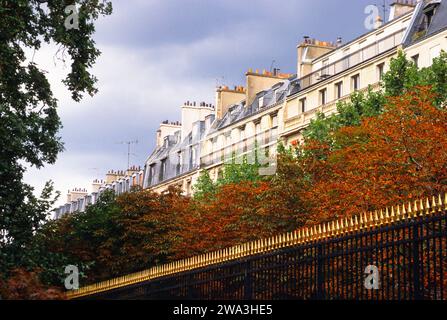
pixel 271 66
pixel 129 145
pixel 384 8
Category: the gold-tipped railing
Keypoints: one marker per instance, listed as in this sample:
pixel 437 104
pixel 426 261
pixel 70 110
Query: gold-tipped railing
pixel 306 235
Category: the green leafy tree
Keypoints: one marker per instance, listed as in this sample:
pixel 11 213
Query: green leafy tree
pixel 204 187
pixel 29 122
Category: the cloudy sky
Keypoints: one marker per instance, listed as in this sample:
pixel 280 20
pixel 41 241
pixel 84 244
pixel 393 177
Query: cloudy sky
pixel 156 54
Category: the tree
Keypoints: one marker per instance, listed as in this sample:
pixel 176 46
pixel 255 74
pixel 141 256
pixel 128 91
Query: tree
pixel 204 187
pixel 25 285
pixel 388 159
pixel 28 110
pixel 231 217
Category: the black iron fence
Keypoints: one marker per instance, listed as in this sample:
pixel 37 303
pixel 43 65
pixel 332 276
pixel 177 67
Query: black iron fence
pixel 393 255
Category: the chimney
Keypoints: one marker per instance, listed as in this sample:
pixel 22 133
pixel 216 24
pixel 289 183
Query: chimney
pixel 132 170
pixel 96 185
pixel 309 50
pixel 76 194
pixel 192 114
pixel 400 7
pixel 113 176
pixel 226 97
pixel 166 129
pixel 257 82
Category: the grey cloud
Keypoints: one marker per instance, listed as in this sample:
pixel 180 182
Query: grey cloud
pixel 159 53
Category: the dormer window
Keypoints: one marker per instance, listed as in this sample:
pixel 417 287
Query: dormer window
pixel 261 102
pixel 429 12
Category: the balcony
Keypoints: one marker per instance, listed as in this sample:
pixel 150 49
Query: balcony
pixel 353 59
pixel 242 148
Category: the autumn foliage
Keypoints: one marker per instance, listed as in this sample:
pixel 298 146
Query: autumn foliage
pixel 378 150
pixel 386 160
pixel 26 285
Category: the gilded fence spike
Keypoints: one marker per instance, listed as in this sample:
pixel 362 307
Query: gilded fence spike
pixel 356 221
pixel 434 205
pixel 333 227
pixel 295 236
pixel 421 207
pixel 329 230
pixel 428 206
pixel 445 200
pixel 409 210
pixel 439 203
pixel 320 230
pixel 351 224
pixel 324 228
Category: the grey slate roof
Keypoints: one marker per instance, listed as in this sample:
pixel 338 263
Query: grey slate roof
pixel 418 32
pixel 271 97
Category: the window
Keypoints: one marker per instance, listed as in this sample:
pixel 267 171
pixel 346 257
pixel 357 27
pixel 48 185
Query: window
pixel 346 63
pixel 325 71
pixel 258 128
pixel 179 163
pixel 303 105
pixel 274 121
pixel 188 187
pixel 151 174
pixel 162 170
pixel 323 96
pixel 380 70
pixel 242 134
pixel 355 82
pixel 429 12
pixel 192 157
pixel 415 60
pixel 261 102
pixel 339 90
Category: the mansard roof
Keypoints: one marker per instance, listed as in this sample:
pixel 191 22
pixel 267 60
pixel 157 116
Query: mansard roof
pixel 418 31
pixel 270 97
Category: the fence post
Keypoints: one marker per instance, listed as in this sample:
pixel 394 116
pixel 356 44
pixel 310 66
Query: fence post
pixel 248 282
pixel 320 272
pixel 416 263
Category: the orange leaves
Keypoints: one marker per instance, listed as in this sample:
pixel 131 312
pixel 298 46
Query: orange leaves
pixel 233 216
pixel 385 160
pixel 25 285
